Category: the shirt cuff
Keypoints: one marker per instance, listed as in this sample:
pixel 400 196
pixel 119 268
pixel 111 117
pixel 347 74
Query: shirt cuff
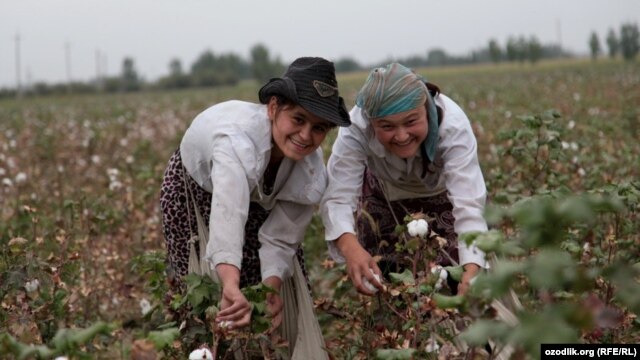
pixel 471 254
pixel 224 257
pixel 278 271
pixel 334 252
pixel 339 227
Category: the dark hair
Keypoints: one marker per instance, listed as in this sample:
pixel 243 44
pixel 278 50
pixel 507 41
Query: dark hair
pixel 434 89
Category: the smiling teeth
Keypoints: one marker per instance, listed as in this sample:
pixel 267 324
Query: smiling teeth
pixel 298 144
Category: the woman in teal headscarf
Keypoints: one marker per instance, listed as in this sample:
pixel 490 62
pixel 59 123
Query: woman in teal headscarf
pixel 410 149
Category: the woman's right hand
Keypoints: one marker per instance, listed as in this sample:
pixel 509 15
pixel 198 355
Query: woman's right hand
pixel 235 309
pixel 359 263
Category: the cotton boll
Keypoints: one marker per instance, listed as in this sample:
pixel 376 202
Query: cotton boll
pixel 225 324
pixel 20 178
pixel 201 354
pixel 145 306
pixel 32 285
pixel 418 227
pixel 432 346
pixel 442 273
pixel 369 286
pixel 442 276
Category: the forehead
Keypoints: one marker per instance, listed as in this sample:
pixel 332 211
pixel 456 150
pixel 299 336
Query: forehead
pixel 297 110
pixel 402 116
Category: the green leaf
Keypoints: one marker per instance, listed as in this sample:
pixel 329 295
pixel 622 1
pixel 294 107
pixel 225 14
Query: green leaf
pixel 448 302
pixel 469 237
pixel 572 247
pixel 163 338
pixel 71 339
pixel 412 245
pixel 552 270
pixel 546 327
pixel 455 272
pixel 395 354
pixel 260 324
pixel 481 331
pixel 406 277
pixel 198 295
pixel 83 336
pixel 489 241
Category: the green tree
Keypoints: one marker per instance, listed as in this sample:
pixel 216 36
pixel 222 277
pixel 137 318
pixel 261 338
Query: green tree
pixel 129 79
pixel 534 50
pixel 594 45
pixel 437 57
pixel 612 43
pixel 495 52
pixel 211 70
pixel 629 41
pixel 203 70
pixel 262 67
pixel 176 78
pixel 522 46
pixel 347 64
pixel 512 49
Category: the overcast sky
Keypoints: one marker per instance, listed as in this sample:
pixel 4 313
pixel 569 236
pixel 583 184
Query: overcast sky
pixel 153 32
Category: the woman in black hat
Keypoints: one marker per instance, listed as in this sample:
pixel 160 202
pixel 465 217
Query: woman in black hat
pixel 253 173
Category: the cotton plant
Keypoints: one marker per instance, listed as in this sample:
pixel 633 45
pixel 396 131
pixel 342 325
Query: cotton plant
pixel 417 232
pixel 410 302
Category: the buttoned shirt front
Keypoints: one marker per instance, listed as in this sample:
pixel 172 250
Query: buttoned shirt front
pixel 226 151
pixel 455 169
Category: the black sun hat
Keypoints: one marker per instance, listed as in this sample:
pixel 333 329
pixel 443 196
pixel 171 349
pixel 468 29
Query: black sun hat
pixel 311 83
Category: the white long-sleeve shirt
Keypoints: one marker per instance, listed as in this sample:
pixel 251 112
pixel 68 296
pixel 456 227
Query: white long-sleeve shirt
pixel 226 151
pixel 455 169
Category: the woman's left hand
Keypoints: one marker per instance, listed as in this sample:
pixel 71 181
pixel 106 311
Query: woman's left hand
pixel 470 271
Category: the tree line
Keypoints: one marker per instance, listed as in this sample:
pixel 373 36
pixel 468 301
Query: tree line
pixel 211 69
pixel 625 43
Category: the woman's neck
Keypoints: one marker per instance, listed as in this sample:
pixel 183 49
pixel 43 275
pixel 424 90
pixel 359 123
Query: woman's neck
pixel 276 156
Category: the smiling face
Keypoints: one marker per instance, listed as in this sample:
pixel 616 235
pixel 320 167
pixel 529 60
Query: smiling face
pixel 402 133
pixel 296 132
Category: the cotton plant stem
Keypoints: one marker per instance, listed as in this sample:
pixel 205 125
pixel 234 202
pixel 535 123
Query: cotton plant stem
pixel 394 310
pixel 453 262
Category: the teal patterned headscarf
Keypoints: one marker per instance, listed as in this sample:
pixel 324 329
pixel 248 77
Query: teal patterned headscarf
pixel 394 89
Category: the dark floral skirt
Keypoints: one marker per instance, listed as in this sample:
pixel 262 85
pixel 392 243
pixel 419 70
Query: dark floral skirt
pixel 376 222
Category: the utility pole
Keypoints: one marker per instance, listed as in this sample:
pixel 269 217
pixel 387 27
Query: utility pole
pixel 67 52
pixel 97 56
pixel 18 85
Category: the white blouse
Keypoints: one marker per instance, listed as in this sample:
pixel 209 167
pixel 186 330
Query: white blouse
pixel 455 169
pixel 226 151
